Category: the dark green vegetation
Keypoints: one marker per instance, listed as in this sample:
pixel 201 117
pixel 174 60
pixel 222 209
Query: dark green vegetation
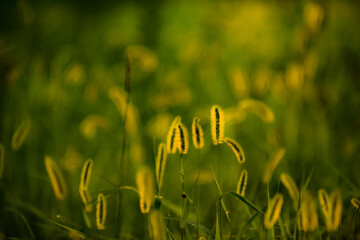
pixel 60 61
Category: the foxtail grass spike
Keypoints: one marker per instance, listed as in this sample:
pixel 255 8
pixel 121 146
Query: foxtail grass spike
pixel 157 225
pixel 20 135
pixel 197 133
pixel 274 161
pixel 86 174
pixel 308 219
pixel 291 187
pixel 273 212
pixel 333 218
pixel 355 202
pixel 160 164
pixel 237 149
pixel 56 178
pixel 2 160
pixel 183 140
pixel 217 120
pixel 173 136
pixel 145 184
pixel 84 182
pixel 258 108
pixel 100 212
pixel 324 200
pixel 241 187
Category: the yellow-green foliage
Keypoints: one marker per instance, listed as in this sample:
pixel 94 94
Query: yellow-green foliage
pixel 241 187
pixel 217 121
pixel 197 133
pixel 157 225
pixel 56 177
pixel 101 212
pixel 308 219
pixel 237 149
pixel 20 134
pixel 145 184
pixel 291 187
pixel 160 164
pixel 273 211
pixel 274 161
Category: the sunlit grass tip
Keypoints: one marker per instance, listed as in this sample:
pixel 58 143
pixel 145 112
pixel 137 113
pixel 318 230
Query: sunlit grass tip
pixel 241 187
pixel 333 218
pixel 160 164
pixel 290 185
pixel 217 122
pixel 86 174
pixel 197 133
pixel 2 160
pixel 355 202
pixel 56 178
pixel 183 140
pixel 101 212
pixel 308 219
pixel 273 212
pixel 272 164
pixel 173 136
pixel 20 134
pixel 145 184
pixel 258 108
pixel 237 149
pixel 324 200
pixel 157 225
pixel 84 182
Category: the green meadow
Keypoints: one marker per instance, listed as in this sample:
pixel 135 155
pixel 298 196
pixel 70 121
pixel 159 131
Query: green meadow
pixel 179 120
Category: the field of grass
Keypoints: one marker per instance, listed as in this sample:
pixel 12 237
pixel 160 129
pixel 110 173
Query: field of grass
pixel 179 120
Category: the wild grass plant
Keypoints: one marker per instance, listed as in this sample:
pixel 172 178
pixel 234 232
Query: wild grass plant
pixel 234 120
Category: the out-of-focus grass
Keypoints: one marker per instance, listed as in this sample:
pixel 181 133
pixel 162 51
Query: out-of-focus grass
pixel 58 62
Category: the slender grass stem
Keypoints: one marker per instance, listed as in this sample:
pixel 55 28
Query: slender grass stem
pixel 198 196
pixel 183 195
pixel 122 163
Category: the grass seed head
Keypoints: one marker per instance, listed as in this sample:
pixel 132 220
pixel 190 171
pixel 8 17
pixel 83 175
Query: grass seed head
pixel 20 135
pixel 355 202
pixel 272 164
pixel 308 219
pixel 237 149
pixel 101 212
pixel 56 178
pixel 273 212
pixel 197 134
pixel 183 139
pixel 160 164
pixel 291 187
pixel 217 121
pixel 145 184
pixel 241 187
pixel 173 136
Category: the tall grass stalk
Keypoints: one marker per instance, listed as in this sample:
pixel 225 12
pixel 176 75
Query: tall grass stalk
pixel 183 195
pixel 122 163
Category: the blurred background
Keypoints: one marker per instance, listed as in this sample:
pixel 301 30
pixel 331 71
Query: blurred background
pixel 62 67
